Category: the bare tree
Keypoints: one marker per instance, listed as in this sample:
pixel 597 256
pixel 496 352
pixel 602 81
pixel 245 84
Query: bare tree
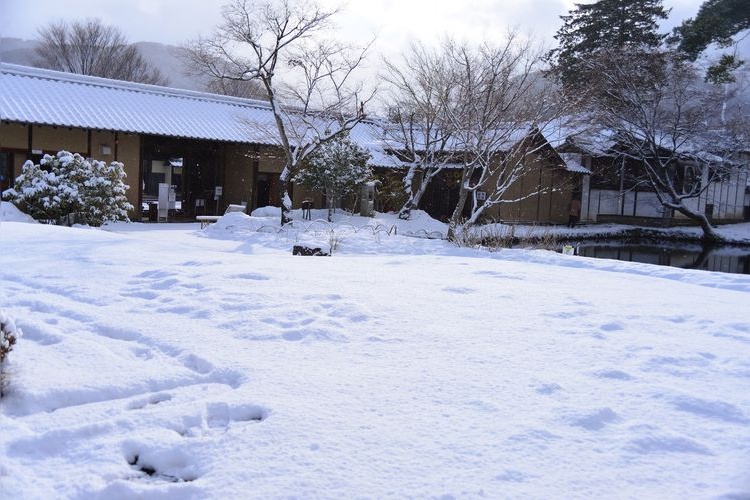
pixel 257 41
pixel 420 131
pixel 92 48
pixel 656 110
pixel 498 106
pixel 237 88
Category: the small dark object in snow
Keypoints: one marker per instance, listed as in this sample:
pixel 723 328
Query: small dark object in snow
pixel 307 204
pixel 148 470
pixel 308 251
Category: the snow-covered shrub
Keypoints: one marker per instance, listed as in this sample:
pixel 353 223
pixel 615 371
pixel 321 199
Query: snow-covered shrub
pixel 9 334
pixel 337 169
pixel 68 188
pixel 391 195
pixel 36 193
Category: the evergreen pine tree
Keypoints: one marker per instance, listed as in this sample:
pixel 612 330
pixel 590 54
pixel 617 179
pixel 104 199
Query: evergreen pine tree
pixel 336 169
pixel 717 22
pixel 606 24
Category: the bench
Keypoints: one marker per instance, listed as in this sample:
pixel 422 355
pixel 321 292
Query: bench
pixel 205 220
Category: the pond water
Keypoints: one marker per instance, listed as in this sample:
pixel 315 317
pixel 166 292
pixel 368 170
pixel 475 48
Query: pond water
pixel 725 259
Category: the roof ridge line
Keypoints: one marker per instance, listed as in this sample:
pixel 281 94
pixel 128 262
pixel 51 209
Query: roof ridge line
pixel 97 81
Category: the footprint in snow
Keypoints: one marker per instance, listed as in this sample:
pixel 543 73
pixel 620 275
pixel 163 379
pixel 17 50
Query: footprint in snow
pixel 613 374
pixel 717 410
pixel 613 326
pixel 42 334
pixel 459 290
pixel 196 364
pixel 497 274
pixel 153 399
pixel 219 418
pixel 200 263
pixel 513 476
pixel 251 276
pixel 548 388
pixel 664 444
pixel 171 465
pixel 595 421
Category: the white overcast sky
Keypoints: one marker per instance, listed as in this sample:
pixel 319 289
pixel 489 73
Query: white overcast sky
pixel 393 22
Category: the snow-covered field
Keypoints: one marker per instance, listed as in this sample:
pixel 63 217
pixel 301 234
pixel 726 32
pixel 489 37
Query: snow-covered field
pixel 162 361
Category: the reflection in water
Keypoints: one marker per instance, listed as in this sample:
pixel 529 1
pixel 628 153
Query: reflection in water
pixel 725 259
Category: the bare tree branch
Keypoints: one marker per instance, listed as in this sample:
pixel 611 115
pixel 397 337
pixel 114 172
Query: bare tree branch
pixel 659 113
pixel 271 42
pixel 500 103
pixel 92 48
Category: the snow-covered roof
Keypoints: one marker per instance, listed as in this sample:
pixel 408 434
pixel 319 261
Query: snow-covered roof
pixel 574 164
pixel 45 97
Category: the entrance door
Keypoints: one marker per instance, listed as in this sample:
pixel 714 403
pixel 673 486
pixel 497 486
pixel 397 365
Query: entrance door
pixel 264 191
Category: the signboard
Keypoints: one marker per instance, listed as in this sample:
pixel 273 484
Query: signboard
pixel 164 200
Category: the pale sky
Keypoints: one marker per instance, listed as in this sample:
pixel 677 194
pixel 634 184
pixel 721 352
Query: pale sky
pixel 392 22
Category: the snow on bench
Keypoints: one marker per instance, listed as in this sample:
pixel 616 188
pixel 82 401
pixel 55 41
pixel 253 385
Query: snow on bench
pixel 205 220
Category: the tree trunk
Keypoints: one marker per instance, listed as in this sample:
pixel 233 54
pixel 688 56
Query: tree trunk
pixel 414 198
pixel 709 233
pixel 330 204
pixel 463 195
pixel 455 219
pixel 405 212
pixel 284 199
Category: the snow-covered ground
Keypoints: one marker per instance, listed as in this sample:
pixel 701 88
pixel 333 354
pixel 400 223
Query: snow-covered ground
pixel 164 361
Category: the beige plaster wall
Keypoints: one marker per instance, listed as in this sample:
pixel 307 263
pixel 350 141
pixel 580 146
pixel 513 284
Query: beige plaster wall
pixel 548 206
pixel 238 173
pixel 129 153
pixel 50 140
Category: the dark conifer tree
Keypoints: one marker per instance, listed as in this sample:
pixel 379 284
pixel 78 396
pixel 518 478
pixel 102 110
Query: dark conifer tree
pixel 606 24
pixel 717 22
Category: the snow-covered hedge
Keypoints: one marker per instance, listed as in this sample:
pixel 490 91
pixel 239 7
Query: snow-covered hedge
pixel 68 188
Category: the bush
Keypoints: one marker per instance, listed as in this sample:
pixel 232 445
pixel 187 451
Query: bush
pixel 391 195
pixel 67 188
pixel 337 168
pixel 9 334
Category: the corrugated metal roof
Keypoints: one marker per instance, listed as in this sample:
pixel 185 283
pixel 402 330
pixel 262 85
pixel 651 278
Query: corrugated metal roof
pixel 32 95
pixel 574 164
pixel 45 97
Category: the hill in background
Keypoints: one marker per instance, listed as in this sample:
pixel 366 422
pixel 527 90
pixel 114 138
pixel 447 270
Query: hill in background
pixel 164 57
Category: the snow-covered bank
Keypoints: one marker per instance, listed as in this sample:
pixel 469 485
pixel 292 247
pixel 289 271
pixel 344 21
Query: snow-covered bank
pixel 163 361
pixel 734 234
